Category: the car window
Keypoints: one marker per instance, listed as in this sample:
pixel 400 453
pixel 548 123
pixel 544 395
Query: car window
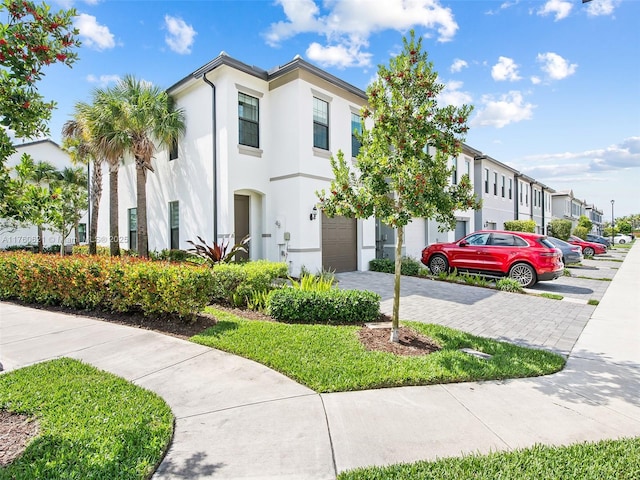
pixel 478 239
pixel 501 240
pixel 519 242
pixel 547 243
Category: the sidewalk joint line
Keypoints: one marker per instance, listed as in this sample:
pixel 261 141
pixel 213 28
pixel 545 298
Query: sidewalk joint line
pixel 333 452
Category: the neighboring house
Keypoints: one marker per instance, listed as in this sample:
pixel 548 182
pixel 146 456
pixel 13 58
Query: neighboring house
pixel 40 150
pixel 533 202
pixel 495 184
pixel 567 207
pixel 597 219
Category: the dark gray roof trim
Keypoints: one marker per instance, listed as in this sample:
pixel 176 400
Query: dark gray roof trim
pixel 224 59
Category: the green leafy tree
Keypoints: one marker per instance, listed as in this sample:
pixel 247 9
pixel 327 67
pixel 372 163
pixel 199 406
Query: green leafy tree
pixel 401 171
pixel 560 228
pixel 584 222
pixel 32 37
pixel 580 232
pixel 144 117
pixel 624 226
pixel 68 199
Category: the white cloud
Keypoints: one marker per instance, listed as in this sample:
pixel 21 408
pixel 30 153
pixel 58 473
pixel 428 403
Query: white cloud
pixel 458 65
pixel 341 56
pixel 555 66
pixel 180 36
pixel 573 165
pixel 103 80
pixel 597 8
pixel 92 33
pixel 499 112
pixel 559 8
pixel 453 95
pixel 347 25
pixel 505 69
pixel 536 80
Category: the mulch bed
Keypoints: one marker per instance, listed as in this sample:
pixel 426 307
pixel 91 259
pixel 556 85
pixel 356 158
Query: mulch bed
pixel 15 432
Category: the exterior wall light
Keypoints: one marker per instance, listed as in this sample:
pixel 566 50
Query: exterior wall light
pixel 314 213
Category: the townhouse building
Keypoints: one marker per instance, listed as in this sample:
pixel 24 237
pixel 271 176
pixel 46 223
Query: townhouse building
pixel 596 216
pixel 567 207
pixel 495 184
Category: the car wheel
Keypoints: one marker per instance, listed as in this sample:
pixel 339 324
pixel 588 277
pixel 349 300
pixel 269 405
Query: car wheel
pixel 622 240
pixel 438 264
pixel 588 252
pixel 524 274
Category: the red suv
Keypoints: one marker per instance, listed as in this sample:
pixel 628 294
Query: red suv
pixel 525 257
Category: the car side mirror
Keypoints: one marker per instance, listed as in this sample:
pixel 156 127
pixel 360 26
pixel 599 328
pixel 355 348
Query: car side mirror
pixel 463 243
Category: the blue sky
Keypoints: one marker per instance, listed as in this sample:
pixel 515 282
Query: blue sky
pixel 555 84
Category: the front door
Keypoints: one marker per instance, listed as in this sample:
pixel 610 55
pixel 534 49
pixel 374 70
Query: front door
pixel 241 222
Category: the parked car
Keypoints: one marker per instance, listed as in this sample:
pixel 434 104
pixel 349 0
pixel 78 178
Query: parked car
pixel 571 254
pixel 622 238
pixel 598 239
pixel 525 257
pixel 589 249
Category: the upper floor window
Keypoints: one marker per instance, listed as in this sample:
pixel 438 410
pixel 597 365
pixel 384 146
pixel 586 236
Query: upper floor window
pixel 356 128
pixel 486 180
pixel 521 191
pixel 173 151
pixel 510 188
pixel 320 124
pixel 248 120
pixel 502 189
pixel 495 183
pixel 132 217
pixel 468 167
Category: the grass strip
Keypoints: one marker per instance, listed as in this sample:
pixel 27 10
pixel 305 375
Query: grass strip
pixel 605 460
pixel 93 425
pixel 330 358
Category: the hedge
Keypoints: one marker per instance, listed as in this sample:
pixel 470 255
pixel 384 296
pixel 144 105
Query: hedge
pixel 105 283
pixel 234 283
pixel 409 266
pixel 332 306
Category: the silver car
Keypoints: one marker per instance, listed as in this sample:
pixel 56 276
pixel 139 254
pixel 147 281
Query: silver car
pixel 571 254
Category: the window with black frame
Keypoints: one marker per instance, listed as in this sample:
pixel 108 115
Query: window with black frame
pixel 248 120
pixel 132 213
pixel 174 225
pixel 356 129
pixel 320 124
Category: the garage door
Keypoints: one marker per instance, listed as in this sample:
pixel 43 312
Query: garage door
pixel 339 244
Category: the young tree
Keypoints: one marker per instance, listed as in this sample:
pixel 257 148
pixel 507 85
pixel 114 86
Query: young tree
pixel 401 171
pixel 67 200
pixel 31 38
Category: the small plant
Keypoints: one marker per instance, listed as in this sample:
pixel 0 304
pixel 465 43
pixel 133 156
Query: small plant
pixel 257 301
pixel 567 272
pixel 218 252
pixel 312 283
pixel 593 301
pixel 552 296
pixel 509 285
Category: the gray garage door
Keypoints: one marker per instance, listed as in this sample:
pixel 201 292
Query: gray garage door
pixel 339 244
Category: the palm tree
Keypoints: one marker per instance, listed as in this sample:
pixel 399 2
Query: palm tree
pixel 145 117
pixel 76 179
pixel 79 144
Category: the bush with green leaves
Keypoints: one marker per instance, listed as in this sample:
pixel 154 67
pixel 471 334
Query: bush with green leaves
pixel 106 283
pixel 331 306
pixel 560 228
pixel 409 266
pixel 580 232
pixel 237 283
pixel 520 226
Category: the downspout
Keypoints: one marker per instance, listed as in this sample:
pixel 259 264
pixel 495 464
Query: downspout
pixel 215 158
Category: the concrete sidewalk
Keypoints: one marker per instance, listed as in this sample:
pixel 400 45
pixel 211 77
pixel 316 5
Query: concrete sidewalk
pixel 236 419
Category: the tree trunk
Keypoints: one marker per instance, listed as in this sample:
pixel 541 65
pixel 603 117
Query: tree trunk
pixel 396 287
pixel 40 239
pixel 141 204
pixel 114 231
pixel 96 195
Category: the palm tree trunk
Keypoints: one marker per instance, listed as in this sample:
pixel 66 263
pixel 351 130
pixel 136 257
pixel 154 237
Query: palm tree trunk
pixel 114 231
pixel 396 287
pixel 141 204
pixel 96 194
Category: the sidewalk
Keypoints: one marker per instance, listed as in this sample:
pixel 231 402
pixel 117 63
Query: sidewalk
pixel 237 419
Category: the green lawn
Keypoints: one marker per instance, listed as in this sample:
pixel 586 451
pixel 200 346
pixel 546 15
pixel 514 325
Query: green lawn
pixel 606 460
pixel 332 359
pixel 93 425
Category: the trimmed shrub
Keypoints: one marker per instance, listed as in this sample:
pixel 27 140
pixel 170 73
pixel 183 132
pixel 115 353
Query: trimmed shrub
pixel 408 267
pixel 560 228
pixel 331 306
pixel 520 226
pixel 580 232
pixel 106 283
pixel 236 283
